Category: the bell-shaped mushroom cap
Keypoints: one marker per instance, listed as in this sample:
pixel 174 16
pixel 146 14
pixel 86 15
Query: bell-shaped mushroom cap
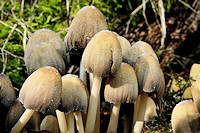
pixel 187 94
pixel 185 118
pixel 15 112
pixel 45 35
pixel 74 94
pixel 50 123
pixel 123 86
pixel 195 71
pixel 195 94
pixel 149 74
pixel 87 22
pixel 150 110
pixel 138 49
pixel 44 54
pixel 42 90
pixel 7 92
pixel 126 46
pixel 103 54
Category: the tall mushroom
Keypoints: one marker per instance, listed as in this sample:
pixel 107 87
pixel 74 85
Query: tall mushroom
pixel 195 94
pixel 74 99
pixel 44 54
pixel 102 56
pixel 120 88
pixel 40 92
pixel 195 72
pixel 185 118
pixel 150 78
pixel 150 109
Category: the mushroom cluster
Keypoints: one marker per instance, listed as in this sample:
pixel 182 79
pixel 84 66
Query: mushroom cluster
pixel 125 74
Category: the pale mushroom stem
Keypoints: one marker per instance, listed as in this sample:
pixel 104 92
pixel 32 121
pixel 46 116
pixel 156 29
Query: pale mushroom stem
pixel 93 103
pixel 61 121
pixel 70 122
pixel 79 121
pixel 83 74
pixel 113 123
pixel 97 122
pixel 136 109
pixel 140 118
pixel 22 121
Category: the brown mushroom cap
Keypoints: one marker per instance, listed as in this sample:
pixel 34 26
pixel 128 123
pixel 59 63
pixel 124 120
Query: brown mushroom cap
pixel 7 92
pixel 185 118
pixel 50 123
pixel 44 54
pixel 149 74
pixel 74 94
pixel 103 54
pixel 123 86
pixel 87 22
pixel 138 49
pixel 15 112
pixel 42 90
pixel 45 35
pixel 126 46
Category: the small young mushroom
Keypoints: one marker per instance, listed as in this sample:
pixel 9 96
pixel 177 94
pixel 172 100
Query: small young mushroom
pixel 138 49
pixel 40 92
pixel 14 113
pixel 50 123
pixel 102 56
pixel 44 54
pixel 195 72
pixel 120 88
pixel 187 94
pixel 150 110
pixel 150 78
pixel 45 35
pixel 7 92
pixel 87 22
pixel 185 118
pixel 74 99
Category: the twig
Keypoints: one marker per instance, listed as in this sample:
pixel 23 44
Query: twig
pixel 10 27
pixel 187 5
pixel 22 25
pixel 22 7
pixel 78 5
pixel 15 56
pixel 163 24
pixel 144 14
pixel 132 15
pixel 194 3
pixel 4 64
pixel 154 10
pixel 2 4
pixel 67 7
pixel 4 57
pixel 33 5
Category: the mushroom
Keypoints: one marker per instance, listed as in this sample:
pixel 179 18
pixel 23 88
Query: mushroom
pixel 138 49
pixel 187 94
pixel 195 72
pixel 185 118
pixel 48 36
pixel 126 46
pixel 74 98
pixel 150 109
pixel 44 54
pixel 50 123
pixel 150 78
pixel 87 22
pixel 40 92
pixel 120 88
pixel 195 94
pixel 102 56
pixel 14 113
pixel 7 92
